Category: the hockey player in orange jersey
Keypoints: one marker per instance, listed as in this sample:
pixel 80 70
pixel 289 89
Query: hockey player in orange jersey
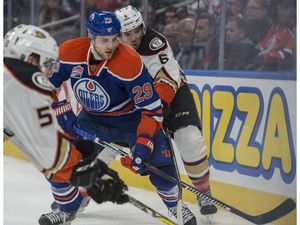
pixel 180 113
pixel 119 102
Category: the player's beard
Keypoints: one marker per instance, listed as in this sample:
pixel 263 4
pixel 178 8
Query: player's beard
pixel 108 54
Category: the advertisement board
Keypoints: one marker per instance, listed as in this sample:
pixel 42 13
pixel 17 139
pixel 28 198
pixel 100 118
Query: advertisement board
pixel 249 123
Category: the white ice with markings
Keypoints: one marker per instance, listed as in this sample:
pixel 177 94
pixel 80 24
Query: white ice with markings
pixel 27 195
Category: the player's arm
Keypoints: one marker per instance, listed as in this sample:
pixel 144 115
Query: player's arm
pixel 166 87
pixel 59 73
pixel 146 99
pixel 62 109
pixel 166 74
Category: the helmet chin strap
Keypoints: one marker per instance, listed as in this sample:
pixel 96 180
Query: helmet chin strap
pixel 95 53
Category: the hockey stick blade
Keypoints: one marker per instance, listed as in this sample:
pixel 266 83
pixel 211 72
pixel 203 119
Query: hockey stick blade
pixel 281 210
pixel 150 211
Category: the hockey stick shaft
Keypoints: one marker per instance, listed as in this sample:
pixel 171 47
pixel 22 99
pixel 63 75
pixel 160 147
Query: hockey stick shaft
pixel 179 203
pixel 132 200
pixel 281 210
pixel 150 211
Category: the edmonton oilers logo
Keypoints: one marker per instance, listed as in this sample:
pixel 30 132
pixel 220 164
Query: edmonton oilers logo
pixel 91 95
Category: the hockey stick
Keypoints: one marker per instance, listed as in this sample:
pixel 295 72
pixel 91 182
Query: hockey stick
pixel 137 204
pixel 179 202
pixel 150 211
pixel 281 210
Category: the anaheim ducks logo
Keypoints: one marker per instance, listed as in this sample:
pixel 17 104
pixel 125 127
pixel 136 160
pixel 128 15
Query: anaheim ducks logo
pixel 39 34
pixel 156 44
pixel 41 81
pixel 91 95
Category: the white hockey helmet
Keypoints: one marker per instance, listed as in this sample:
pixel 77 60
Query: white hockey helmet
pixel 23 40
pixel 130 18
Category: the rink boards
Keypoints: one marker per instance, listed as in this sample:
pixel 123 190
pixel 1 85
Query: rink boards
pixel 249 123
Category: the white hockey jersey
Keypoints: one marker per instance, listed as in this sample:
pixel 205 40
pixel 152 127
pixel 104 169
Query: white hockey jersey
pixel 30 122
pixel 157 55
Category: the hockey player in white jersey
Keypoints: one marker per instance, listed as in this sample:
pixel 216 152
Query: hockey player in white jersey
pixel 180 114
pixel 30 124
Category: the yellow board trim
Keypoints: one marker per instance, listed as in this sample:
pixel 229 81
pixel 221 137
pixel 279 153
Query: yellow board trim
pixel 258 202
pixel 9 149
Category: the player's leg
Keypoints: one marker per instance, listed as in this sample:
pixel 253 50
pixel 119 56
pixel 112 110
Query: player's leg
pixel 68 199
pixel 102 183
pixel 85 201
pixel 83 149
pixel 168 191
pixel 185 124
pixel 66 196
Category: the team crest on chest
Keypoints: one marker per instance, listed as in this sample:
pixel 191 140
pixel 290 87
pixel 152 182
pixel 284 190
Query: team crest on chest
pixel 91 95
pixel 77 72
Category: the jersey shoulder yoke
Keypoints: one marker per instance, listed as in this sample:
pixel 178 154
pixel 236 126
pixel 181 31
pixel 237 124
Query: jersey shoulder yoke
pixel 74 50
pixel 126 63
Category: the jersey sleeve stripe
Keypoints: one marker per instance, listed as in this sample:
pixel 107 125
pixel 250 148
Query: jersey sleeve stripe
pixel 127 110
pixel 120 106
pixel 151 107
pixel 157 118
pixel 158 115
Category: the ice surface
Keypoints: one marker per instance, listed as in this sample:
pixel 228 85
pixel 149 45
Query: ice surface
pixel 27 195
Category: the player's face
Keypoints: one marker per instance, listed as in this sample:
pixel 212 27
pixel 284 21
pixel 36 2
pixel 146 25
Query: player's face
pixel 34 60
pixel 133 38
pixel 106 45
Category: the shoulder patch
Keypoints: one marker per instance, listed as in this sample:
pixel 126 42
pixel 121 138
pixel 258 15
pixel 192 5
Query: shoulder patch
pixel 30 76
pixel 156 43
pixel 152 43
pixel 41 81
pixel 55 66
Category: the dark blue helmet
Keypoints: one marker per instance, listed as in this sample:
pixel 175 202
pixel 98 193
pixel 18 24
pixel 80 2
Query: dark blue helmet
pixel 103 23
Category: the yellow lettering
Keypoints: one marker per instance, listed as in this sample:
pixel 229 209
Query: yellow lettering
pixel 206 128
pixel 197 102
pixel 222 151
pixel 276 144
pixel 247 155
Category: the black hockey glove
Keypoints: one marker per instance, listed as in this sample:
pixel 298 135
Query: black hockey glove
pixel 102 183
pixel 85 172
pixel 108 190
